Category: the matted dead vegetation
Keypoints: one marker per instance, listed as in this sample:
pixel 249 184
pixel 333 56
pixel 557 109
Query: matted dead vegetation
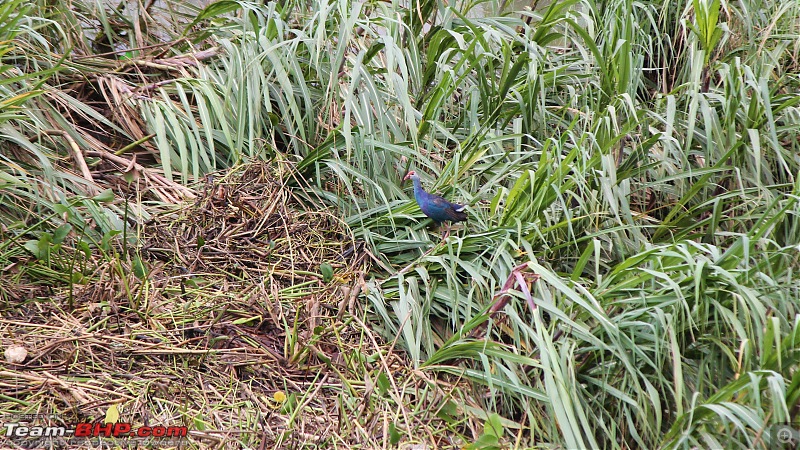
pixel 233 333
pixel 246 223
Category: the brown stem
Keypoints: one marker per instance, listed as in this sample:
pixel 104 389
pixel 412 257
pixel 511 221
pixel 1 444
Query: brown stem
pixel 77 155
pixel 503 297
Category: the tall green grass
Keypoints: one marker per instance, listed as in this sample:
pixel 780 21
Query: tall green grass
pixel 640 157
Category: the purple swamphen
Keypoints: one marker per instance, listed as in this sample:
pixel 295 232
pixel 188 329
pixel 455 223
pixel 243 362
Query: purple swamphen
pixel 435 207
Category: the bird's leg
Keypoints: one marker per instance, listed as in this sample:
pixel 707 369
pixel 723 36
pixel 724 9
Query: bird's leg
pixel 446 233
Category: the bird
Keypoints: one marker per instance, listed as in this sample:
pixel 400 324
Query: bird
pixel 436 207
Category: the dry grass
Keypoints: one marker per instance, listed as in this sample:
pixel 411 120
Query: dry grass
pixel 233 311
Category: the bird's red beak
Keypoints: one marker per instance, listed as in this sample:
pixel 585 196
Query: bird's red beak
pixel 408 175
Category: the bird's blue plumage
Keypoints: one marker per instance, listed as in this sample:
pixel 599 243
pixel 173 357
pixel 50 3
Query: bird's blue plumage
pixel 436 207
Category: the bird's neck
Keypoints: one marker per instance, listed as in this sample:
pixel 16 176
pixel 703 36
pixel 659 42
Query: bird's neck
pixel 418 191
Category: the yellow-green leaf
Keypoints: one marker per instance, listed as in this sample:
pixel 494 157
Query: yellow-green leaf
pixel 112 414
